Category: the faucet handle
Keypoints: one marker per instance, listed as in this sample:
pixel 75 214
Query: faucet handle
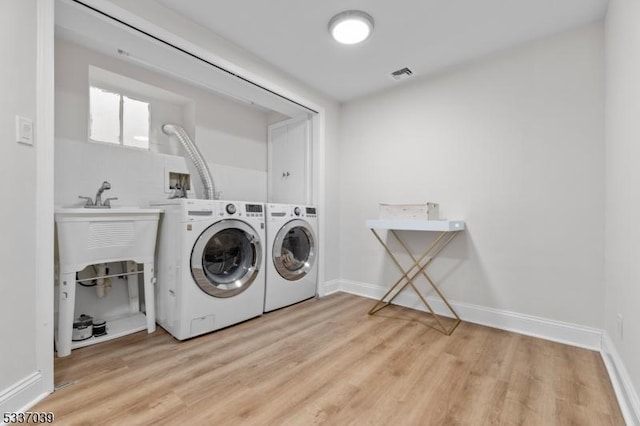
pixel 89 200
pixel 107 202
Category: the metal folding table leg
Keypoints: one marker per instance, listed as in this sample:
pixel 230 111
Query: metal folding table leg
pixel 436 247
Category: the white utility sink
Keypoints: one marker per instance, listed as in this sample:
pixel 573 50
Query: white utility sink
pixel 97 236
pixel 90 236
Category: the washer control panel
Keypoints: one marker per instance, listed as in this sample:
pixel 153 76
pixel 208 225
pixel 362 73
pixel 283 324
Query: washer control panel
pixel 298 211
pixel 241 210
pixel 254 210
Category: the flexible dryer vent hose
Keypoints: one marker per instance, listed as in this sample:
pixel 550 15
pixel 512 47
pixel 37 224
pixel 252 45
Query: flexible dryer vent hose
pixel 195 156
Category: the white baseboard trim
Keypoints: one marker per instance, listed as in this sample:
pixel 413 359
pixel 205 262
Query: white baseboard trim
pixel 329 287
pixel 622 385
pixel 22 395
pixel 557 331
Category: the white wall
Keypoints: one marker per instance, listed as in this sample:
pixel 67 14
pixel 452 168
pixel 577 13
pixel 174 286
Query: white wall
pixel 231 136
pixel 332 206
pixel 18 211
pixel 513 145
pixel 622 178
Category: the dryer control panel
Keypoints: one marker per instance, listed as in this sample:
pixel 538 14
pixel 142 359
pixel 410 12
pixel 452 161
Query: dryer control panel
pixel 254 210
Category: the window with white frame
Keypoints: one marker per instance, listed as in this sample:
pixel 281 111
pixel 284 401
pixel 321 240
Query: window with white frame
pixel 118 119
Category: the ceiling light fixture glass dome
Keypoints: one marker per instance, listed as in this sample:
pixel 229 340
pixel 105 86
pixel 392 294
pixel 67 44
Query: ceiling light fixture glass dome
pixel 351 26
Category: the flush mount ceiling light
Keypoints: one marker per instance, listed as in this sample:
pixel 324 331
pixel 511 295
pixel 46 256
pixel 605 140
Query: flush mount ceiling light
pixel 351 26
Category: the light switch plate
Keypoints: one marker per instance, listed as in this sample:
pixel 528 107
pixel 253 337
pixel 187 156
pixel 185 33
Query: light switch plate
pixel 24 130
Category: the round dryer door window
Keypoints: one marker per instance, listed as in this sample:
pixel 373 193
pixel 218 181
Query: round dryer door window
pixel 294 250
pixel 226 258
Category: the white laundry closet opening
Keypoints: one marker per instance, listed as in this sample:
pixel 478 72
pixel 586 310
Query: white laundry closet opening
pixel 227 116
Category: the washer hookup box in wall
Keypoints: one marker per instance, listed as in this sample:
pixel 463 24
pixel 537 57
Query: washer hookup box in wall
pixel 426 211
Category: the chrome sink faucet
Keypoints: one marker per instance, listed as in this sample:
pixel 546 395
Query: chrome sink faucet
pixel 105 186
pixel 97 204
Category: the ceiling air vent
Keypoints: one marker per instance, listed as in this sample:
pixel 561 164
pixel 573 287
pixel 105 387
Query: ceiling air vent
pixel 401 74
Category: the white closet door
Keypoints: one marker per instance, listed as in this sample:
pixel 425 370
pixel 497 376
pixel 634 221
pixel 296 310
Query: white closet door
pixel 289 150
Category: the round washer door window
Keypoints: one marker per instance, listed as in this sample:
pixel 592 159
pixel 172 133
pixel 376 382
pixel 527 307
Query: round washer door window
pixel 294 250
pixel 225 259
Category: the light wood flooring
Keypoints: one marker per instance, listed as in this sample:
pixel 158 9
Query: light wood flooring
pixel 327 362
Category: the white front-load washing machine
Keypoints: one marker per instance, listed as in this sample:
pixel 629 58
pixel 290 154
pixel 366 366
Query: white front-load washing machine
pixel 210 265
pixel 292 255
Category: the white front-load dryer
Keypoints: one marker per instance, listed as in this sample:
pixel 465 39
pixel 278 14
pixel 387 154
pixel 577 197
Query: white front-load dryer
pixel 210 271
pixel 292 255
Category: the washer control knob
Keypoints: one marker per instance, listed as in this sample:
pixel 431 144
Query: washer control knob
pixel 231 209
pixel 296 211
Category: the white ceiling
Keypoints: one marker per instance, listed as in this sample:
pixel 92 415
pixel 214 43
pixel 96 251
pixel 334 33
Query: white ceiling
pixel 424 35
